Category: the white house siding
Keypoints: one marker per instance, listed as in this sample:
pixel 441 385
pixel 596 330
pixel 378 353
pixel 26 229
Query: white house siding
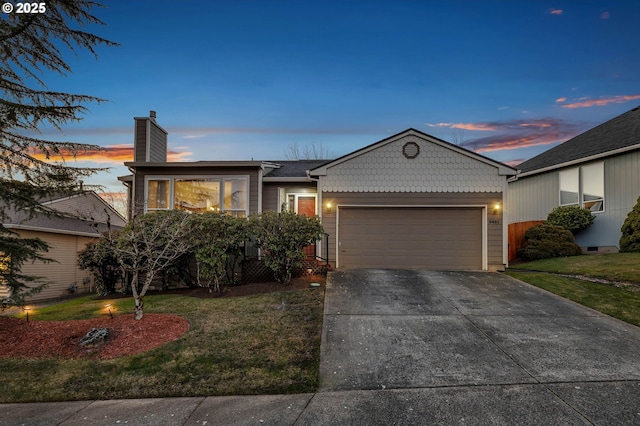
pixel 622 188
pixel 63 248
pixel 532 198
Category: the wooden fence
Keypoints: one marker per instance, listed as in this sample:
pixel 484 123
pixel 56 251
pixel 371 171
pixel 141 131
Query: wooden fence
pixel 516 236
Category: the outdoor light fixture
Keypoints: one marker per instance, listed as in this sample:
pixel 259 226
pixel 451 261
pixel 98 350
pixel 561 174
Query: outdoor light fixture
pixel 328 207
pixel 27 311
pixel 496 208
pixel 109 309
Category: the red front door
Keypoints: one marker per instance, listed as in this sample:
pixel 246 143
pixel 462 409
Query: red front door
pixel 307 207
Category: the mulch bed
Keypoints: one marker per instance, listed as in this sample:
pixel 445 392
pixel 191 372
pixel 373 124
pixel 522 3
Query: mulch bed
pixel 60 339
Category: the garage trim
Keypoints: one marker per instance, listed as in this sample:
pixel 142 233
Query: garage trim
pixel 483 208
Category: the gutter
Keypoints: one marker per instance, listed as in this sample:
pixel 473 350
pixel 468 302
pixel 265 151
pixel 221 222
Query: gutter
pixel 582 160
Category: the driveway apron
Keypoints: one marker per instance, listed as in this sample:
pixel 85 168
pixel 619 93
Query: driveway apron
pixel 474 339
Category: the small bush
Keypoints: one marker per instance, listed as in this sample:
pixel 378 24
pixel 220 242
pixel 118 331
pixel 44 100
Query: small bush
pixel 544 241
pixel 572 218
pixel 630 239
pixel 282 238
pixel 100 258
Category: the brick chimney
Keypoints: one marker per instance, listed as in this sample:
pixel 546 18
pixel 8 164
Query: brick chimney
pixel 150 140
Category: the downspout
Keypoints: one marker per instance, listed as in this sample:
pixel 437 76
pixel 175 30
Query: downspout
pixel 319 206
pixel 260 173
pixel 133 195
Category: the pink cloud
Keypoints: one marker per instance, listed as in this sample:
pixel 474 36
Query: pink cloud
pixel 112 154
pixel 466 126
pixel 556 11
pixel 560 100
pixel 601 102
pixel 516 134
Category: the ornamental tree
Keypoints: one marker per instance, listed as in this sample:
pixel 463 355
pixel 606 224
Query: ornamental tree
pixel 149 244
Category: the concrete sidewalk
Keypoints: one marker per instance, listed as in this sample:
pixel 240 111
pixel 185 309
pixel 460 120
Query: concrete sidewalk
pixel 583 403
pixel 411 347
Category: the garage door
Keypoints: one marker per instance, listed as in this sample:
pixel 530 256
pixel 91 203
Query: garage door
pixel 428 238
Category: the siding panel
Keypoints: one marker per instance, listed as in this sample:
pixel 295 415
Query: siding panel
pixel 140 138
pixel 63 273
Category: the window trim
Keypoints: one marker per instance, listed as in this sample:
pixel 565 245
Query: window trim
pixel 580 202
pixel 220 178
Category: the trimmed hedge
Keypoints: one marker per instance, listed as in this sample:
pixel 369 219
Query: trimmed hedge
pixel 544 241
pixel 572 218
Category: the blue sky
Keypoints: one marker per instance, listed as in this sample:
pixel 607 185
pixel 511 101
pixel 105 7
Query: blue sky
pixel 235 80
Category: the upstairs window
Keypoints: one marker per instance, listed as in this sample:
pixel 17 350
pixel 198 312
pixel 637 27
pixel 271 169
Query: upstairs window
pixel 583 186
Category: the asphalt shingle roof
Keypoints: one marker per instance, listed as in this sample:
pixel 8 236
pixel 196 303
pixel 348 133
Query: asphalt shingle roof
pixel 295 168
pixel 620 132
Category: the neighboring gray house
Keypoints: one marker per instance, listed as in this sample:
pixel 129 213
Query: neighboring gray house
pixel 408 201
pixel 598 170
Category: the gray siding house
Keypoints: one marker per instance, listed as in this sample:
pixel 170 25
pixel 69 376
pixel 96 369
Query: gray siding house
pixel 598 170
pixel 408 201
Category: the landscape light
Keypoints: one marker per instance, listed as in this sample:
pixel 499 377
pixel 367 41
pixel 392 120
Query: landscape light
pixel 109 309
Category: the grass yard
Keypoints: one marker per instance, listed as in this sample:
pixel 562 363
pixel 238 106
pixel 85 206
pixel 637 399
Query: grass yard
pixel 262 344
pixel 621 303
pixel 613 267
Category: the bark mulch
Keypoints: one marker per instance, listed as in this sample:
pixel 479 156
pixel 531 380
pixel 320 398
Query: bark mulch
pixel 60 339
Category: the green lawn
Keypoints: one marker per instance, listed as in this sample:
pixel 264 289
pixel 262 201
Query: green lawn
pixel 620 303
pixel 262 344
pixel 613 267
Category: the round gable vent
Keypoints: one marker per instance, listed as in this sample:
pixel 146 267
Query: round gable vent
pixel 411 149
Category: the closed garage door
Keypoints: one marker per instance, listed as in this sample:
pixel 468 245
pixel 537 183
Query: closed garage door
pixel 425 238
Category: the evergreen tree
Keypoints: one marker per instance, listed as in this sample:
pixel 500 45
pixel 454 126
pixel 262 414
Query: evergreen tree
pixel 32 45
pixel 630 238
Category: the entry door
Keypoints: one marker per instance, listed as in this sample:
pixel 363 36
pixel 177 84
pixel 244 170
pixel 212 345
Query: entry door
pixel 306 206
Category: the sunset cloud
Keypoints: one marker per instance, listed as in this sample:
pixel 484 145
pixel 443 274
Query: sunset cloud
pixel 556 11
pixel 112 154
pixel 516 134
pixel 602 101
pixel 464 126
pixel 560 100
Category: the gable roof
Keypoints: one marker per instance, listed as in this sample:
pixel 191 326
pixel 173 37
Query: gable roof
pixel 503 169
pixel 84 213
pixel 615 136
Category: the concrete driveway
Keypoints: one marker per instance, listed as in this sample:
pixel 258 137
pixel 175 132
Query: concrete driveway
pixel 469 348
pixel 423 348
